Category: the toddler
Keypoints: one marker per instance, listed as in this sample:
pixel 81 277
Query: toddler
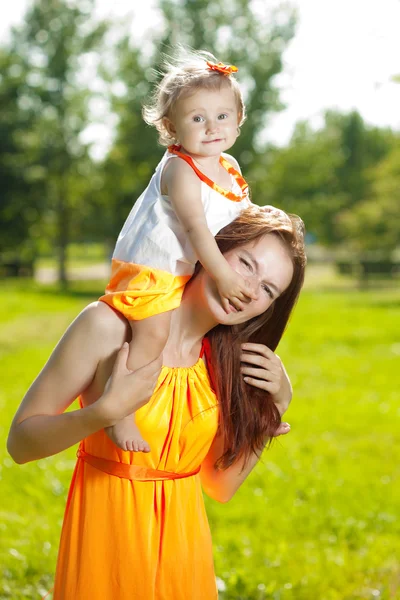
pixel 195 191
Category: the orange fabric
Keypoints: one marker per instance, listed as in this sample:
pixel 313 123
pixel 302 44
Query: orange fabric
pixel 139 291
pixel 144 540
pixel 221 68
pixel 132 472
pixel 175 149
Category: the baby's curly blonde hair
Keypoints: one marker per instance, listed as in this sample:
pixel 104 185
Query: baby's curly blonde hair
pixel 185 73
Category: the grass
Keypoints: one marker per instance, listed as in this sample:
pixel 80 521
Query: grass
pixel 317 518
pixel 78 255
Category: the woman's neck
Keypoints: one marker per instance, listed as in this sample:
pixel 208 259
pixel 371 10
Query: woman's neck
pixel 189 324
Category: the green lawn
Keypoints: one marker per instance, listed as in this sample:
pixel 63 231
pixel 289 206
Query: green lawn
pixel 78 255
pixel 316 520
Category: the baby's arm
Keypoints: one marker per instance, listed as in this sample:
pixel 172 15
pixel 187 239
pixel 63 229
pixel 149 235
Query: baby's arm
pixel 184 191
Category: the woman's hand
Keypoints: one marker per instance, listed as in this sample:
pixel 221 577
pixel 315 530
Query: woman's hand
pixel 126 391
pixel 264 369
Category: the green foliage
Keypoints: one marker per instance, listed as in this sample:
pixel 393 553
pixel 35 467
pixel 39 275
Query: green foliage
pixel 254 41
pixel 252 37
pixel 21 178
pixel 374 224
pixel 128 167
pixel 61 65
pixel 302 179
pixel 317 518
pixel 48 52
pixel 332 177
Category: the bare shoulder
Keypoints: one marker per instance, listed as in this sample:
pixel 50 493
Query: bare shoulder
pixel 178 169
pixel 93 337
pixel 231 159
pixel 105 326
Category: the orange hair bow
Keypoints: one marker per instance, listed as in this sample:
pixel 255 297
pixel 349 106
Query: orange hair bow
pixel 221 68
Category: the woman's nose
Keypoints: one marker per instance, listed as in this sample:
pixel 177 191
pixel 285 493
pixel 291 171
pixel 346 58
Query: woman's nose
pixel 254 284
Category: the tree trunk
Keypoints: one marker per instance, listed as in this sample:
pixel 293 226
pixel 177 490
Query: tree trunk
pixel 63 230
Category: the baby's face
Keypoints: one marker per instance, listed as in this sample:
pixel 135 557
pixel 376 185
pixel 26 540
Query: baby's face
pixel 205 123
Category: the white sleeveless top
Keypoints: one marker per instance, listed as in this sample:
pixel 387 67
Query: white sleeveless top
pixel 153 235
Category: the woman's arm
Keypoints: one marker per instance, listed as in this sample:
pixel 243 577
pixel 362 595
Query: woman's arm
pixel 263 369
pixel 40 427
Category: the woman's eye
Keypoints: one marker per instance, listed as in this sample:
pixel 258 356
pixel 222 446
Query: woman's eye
pixel 222 116
pixel 198 119
pixel 268 290
pixel 248 265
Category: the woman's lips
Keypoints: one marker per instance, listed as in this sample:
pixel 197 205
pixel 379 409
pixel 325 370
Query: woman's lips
pixel 233 308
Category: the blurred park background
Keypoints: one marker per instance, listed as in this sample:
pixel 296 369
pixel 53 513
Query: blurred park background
pixel 318 518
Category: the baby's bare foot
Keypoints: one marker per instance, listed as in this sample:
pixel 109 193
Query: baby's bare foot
pixel 126 436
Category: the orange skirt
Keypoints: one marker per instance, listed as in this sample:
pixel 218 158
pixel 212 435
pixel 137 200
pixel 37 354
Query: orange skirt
pixel 140 291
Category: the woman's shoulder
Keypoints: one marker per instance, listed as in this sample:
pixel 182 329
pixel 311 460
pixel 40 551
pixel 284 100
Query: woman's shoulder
pixel 104 325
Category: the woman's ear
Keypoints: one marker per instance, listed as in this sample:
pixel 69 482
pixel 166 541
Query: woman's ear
pixel 169 126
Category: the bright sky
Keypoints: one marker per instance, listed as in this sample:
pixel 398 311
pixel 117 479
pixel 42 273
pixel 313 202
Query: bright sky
pixel 343 56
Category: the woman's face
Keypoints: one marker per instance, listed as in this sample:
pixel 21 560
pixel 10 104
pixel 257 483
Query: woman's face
pixel 267 266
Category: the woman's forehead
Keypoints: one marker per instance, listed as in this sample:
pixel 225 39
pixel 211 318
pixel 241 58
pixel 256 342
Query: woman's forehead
pixel 272 258
pixel 269 241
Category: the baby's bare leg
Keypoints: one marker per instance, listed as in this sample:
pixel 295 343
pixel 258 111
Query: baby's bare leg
pixel 149 337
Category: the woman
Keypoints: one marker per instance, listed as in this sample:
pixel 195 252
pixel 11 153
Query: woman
pixel 135 524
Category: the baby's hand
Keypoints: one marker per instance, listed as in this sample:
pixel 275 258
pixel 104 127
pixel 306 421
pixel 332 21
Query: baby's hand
pixel 234 290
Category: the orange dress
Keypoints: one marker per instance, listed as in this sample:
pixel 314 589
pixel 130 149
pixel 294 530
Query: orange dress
pixel 135 526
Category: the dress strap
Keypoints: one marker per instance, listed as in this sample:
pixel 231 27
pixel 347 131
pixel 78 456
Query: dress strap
pixel 206 351
pixel 205 348
pixel 240 180
pixel 126 471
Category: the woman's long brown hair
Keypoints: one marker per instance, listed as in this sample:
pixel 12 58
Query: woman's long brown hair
pixel 248 416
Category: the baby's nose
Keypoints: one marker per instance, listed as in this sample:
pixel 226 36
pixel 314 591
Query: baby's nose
pixel 212 125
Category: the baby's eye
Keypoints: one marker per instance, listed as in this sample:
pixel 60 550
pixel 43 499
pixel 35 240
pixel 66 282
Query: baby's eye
pixel 198 119
pixel 222 116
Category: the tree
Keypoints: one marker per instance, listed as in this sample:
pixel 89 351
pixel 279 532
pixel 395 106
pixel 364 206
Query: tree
pixel 21 179
pixel 254 40
pixel 302 179
pixel 52 44
pixel 374 224
pixel 126 170
pixel 322 174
